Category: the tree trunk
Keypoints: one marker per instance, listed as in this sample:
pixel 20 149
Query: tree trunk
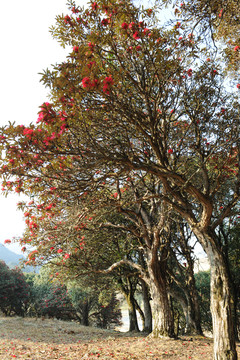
pixel 223 329
pixel 193 325
pixel 147 308
pixel 235 315
pixel 85 314
pixel 193 309
pixel 133 323
pixel 141 313
pixel 163 322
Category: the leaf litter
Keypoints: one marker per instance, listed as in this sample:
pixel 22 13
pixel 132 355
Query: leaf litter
pixel 37 339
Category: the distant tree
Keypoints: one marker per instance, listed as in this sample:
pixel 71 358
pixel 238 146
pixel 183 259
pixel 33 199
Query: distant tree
pixel 203 286
pixel 14 291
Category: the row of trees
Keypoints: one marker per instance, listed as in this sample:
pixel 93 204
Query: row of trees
pixel 135 157
pixel 39 295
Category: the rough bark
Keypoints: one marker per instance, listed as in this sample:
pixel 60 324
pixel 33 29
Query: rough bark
pixel 193 309
pixel 236 298
pixel 222 318
pixel 163 322
pixel 193 325
pixel 223 331
pixel 141 313
pixel 85 314
pixel 133 323
pixel 147 307
pixel 128 292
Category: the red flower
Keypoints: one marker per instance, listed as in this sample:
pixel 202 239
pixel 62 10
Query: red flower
pixel 170 151
pixel 107 82
pixel 59 251
pixel 67 19
pixel 94 6
pixel 236 48
pixel 138 47
pixel 131 25
pixel 7 241
pixel 74 10
pixel 124 25
pixel 238 86
pixel 87 83
pixel 91 45
pixel 136 35
pixel 105 22
pixel 27 132
pixel 146 31
pixel 75 49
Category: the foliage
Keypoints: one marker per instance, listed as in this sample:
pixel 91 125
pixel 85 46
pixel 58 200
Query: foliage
pixel 134 103
pixel 203 286
pixel 218 24
pixel 13 291
pixel 90 305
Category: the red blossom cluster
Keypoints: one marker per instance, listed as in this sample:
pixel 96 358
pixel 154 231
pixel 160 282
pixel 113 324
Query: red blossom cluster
pixel 94 6
pixel 7 241
pixel 107 83
pixel 105 22
pixel 47 114
pixel 67 19
pixel 91 46
pixel 75 49
pixel 87 83
pixel 136 29
pixel 74 10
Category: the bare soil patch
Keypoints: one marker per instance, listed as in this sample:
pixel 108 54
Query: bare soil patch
pixel 34 339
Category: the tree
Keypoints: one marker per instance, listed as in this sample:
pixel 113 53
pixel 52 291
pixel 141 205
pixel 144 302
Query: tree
pixel 126 103
pixel 217 22
pixel 14 291
pixel 203 286
pixel 181 270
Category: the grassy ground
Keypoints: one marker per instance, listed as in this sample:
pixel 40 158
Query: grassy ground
pixel 31 339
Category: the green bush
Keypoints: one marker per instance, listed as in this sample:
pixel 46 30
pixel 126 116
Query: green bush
pixel 14 291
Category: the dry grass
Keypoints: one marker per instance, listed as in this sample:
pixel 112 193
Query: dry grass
pixel 31 339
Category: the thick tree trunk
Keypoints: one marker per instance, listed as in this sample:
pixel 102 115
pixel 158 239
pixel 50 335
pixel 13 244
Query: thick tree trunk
pixel 133 323
pixel 163 322
pixel 128 291
pixel 223 329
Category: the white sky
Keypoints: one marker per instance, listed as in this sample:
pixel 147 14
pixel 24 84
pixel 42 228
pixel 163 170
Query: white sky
pixel 26 49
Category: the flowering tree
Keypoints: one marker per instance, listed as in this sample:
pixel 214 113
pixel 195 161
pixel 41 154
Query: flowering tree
pixel 218 21
pixel 126 104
